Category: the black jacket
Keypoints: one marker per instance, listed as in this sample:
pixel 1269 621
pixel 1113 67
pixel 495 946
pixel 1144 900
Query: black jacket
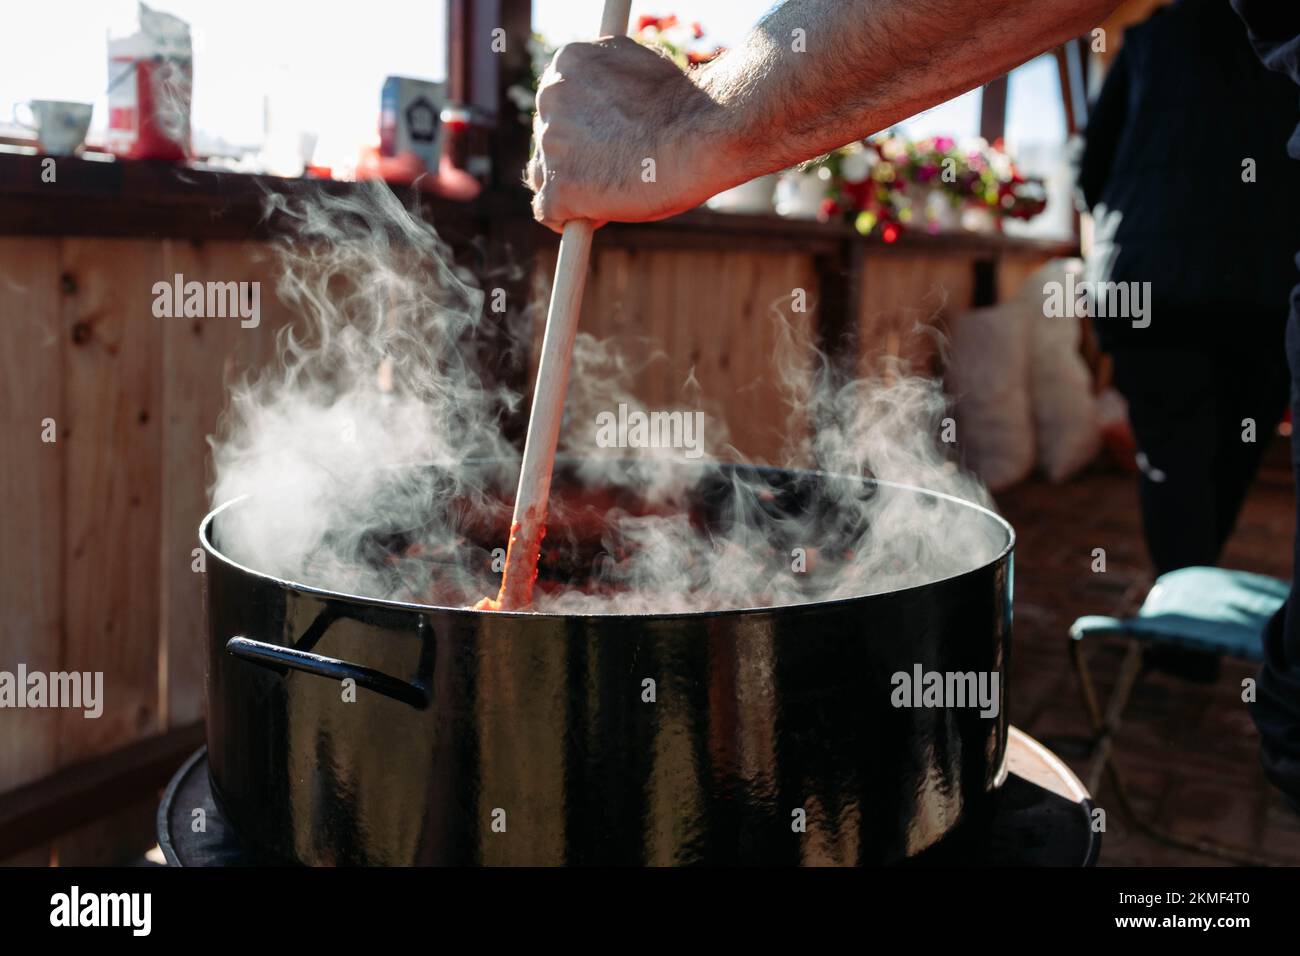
pixel 1275 30
pixel 1186 102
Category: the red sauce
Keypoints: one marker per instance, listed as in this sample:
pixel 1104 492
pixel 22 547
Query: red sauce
pixel 580 522
pixel 517 588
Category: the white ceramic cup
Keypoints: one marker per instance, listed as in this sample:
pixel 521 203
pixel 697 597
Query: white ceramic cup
pixel 60 126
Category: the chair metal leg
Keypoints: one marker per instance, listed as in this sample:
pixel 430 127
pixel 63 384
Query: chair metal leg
pixel 1105 725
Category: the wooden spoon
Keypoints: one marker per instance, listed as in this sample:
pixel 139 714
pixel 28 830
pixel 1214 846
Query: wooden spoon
pixel 528 525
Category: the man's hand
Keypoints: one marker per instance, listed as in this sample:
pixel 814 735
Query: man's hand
pixel 620 133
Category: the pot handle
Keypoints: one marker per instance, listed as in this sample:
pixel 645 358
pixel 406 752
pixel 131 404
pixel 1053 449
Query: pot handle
pixel 278 657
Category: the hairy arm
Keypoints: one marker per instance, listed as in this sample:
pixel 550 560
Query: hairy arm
pixel 812 76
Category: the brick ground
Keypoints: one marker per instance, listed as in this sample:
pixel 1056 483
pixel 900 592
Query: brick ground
pixel 1188 751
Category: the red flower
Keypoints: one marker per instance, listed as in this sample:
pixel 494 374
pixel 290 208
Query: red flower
pixel 649 20
pixel 858 194
pixel 697 29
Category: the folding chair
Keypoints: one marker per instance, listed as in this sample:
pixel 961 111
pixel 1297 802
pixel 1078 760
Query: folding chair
pixel 1202 609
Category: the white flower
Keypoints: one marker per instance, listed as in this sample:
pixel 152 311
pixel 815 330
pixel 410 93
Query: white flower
pixel 856 164
pixel 1001 164
pixel 893 148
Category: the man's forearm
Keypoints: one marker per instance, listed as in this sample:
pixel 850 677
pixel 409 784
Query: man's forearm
pixel 864 66
pixel 624 134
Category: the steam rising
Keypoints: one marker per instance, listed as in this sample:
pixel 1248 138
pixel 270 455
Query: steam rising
pixel 374 460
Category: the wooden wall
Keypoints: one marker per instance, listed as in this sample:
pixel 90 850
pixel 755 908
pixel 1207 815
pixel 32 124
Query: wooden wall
pixel 906 296
pixel 31 493
pixel 702 329
pixel 96 543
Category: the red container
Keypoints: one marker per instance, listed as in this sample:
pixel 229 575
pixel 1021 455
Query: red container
pixel 149 109
pixel 150 75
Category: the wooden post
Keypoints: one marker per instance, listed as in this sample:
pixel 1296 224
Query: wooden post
pixel 487 53
pixel 993 109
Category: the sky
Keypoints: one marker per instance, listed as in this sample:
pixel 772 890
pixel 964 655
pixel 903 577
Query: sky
pixel 322 68
pixel 316 68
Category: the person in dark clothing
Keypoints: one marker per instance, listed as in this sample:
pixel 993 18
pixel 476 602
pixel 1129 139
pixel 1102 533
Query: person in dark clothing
pixel 1274 30
pixel 1186 171
pixel 1187 408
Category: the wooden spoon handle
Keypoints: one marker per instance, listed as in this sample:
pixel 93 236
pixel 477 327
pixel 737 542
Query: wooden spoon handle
pixel 529 522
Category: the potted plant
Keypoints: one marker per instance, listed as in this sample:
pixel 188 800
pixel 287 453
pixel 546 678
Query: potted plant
pixel 887 183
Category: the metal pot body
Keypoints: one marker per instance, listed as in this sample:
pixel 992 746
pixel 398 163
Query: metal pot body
pixel 352 731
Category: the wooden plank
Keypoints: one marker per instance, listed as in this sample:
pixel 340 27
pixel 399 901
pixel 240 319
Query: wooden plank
pixel 194 357
pixel 903 295
pixel 31 482
pixel 153 200
pixel 112 497
pixel 652 284
pixel 120 838
pixel 712 312
pixel 201 358
pixel 1013 270
pixel 79 796
pixel 765 330
pixel 39 856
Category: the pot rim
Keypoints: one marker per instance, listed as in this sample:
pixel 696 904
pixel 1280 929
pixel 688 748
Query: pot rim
pixel 643 616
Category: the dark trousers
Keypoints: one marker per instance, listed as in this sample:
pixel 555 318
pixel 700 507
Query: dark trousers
pixel 1277 707
pixel 1187 407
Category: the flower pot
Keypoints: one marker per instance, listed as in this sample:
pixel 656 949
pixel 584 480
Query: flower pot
pixel 754 196
pixel 799 194
pixel 939 212
pixel 979 219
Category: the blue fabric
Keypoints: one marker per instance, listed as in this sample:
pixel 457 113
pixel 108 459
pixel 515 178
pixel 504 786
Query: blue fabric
pixel 1204 609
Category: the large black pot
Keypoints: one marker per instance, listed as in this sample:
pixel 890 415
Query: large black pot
pixel 527 738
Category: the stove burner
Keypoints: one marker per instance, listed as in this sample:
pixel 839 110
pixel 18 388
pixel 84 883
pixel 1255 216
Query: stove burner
pixel 1030 825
